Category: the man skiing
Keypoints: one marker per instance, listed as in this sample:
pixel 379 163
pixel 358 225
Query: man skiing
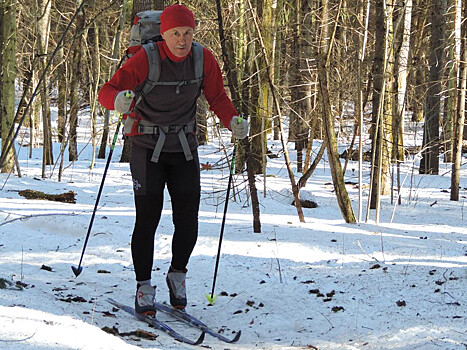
pixel 164 146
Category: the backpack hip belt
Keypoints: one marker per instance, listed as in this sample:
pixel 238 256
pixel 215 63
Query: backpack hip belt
pixel 145 127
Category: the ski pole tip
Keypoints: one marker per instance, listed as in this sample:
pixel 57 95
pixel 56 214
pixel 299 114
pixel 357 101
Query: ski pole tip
pixel 77 270
pixel 211 298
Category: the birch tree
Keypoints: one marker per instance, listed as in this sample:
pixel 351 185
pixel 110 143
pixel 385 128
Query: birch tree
pixel 459 121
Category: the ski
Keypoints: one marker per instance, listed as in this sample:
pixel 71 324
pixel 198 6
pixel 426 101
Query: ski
pixel 193 321
pixel 157 324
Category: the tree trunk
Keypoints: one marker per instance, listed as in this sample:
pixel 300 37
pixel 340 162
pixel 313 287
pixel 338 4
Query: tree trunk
pixel 361 17
pixel 295 117
pixel 74 87
pixel 62 102
pixel 301 93
pixel 62 96
pixel 113 68
pixel 7 85
pixel 402 20
pixel 417 91
pixel 43 28
pixel 323 57
pixel 295 189
pixel 429 163
pixel 331 145
pixel 307 78
pixel 244 96
pixel 453 29
pixel 460 117
pixel 383 70
pixel 252 187
pixel 232 81
pixel 402 26
pixel 262 115
pixel 94 79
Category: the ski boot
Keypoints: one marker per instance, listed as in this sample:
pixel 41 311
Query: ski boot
pixel 144 300
pixel 177 288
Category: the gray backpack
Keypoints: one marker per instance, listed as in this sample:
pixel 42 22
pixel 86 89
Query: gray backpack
pixel 146 28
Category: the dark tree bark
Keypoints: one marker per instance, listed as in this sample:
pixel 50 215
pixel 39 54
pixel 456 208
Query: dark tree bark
pixel 429 163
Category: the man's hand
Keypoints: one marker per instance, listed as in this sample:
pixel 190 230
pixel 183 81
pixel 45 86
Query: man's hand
pixel 123 101
pixel 239 127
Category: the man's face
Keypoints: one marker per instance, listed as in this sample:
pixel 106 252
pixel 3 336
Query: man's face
pixel 179 40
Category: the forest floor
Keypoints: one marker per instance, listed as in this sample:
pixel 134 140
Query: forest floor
pixel 397 284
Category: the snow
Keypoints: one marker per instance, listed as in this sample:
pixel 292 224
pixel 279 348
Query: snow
pixel 397 284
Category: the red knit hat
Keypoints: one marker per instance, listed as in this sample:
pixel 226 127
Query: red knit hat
pixel 176 16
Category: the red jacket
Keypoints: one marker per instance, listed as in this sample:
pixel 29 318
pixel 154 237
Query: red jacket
pixel 134 72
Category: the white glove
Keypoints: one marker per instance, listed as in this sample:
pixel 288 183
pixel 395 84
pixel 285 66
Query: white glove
pixel 123 101
pixel 239 127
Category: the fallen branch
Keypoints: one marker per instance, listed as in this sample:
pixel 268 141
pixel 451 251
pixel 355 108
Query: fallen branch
pixel 67 197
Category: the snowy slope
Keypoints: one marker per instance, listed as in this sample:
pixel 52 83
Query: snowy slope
pixel 320 284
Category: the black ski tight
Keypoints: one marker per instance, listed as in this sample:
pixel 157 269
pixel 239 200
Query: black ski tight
pixel 183 184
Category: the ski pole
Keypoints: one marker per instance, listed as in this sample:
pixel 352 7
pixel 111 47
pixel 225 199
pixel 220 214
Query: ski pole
pixel 212 297
pixel 77 270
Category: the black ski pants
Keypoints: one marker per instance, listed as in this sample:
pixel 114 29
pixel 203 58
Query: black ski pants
pixel 182 178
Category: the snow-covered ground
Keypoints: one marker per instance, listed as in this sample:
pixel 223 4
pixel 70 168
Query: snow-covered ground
pixel 398 284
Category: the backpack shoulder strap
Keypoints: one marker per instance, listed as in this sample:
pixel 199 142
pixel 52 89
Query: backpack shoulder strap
pixel 198 61
pixel 154 70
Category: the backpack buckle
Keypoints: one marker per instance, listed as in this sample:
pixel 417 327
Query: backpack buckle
pixel 172 129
